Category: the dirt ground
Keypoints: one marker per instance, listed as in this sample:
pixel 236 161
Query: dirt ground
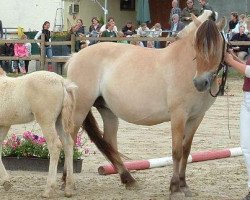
pixel 223 179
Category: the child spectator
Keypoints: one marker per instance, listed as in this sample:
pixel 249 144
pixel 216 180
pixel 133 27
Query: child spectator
pixel 136 43
pixel 121 34
pixel 242 22
pixel 20 51
pixel 156 32
pixel 28 47
pixel 7 50
pixel 128 29
pixel 143 31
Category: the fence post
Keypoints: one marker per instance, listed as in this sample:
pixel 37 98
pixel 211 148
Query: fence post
pixel 73 43
pixel 43 56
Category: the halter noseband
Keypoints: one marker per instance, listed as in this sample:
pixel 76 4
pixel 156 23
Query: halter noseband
pixel 224 67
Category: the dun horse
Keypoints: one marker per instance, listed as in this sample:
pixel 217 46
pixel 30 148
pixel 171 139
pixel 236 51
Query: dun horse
pixel 146 87
pixel 49 99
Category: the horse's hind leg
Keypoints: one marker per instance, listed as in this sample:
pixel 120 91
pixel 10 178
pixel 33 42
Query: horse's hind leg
pixel 54 147
pixel 110 123
pixel 5 179
pixel 190 129
pixel 68 143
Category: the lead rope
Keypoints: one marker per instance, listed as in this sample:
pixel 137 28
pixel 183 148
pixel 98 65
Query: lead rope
pixel 228 119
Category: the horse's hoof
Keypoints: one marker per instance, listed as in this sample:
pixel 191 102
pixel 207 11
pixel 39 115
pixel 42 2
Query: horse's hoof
pixel 177 196
pixel 68 193
pixel 7 185
pixel 186 191
pixel 45 195
pixel 132 185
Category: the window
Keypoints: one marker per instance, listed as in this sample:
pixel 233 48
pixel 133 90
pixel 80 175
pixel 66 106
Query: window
pixel 127 4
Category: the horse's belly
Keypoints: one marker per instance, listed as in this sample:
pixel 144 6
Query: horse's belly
pixel 11 118
pixel 141 114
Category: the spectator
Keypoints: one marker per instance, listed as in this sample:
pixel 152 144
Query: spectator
pixel 186 12
pixel 175 10
pixel 241 51
pixel 110 20
pixel 136 43
pixel 94 30
pixel 48 49
pixel 234 21
pixel 20 51
pixel 143 31
pixel 7 50
pixel 156 32
pixel 204 6
pixel 28 47
pixel 1 29
pixel 241 22
pixel 121 34
pixel 128 29
pixel 176 25
pixel 79 31
pixel 109 32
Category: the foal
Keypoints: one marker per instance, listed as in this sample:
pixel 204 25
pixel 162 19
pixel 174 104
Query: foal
pixel 49 99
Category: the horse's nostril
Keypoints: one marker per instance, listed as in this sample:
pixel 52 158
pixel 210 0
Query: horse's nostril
pixel 206 83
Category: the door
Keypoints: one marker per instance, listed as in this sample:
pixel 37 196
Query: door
pixel 160 11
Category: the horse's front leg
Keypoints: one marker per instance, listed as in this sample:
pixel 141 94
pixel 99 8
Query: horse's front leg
pixel 4 176
pixel 190 129
pixel 178 122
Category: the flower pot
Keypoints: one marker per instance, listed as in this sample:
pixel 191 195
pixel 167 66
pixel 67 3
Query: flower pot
pixel 36 164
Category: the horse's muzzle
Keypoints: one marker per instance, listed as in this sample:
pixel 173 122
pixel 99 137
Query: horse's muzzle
pixel 203 83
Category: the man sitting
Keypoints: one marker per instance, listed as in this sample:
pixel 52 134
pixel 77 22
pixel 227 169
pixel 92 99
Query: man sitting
pixel 241 51
pixel 186 12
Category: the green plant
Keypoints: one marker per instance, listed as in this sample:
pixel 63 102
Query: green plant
pixel 61 36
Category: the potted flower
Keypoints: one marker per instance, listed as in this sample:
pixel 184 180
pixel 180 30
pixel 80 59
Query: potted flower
pixel 30 152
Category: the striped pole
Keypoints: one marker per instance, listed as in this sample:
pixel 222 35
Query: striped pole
pixel 161 162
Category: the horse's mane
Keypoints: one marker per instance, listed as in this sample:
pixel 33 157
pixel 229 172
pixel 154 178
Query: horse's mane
pixel 192 27
pixel 207 40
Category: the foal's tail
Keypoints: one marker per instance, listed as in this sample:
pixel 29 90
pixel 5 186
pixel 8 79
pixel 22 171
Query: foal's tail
pixel 95 134
pixel 68 106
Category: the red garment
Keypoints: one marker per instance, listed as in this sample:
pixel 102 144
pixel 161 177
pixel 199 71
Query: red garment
pixel 246 85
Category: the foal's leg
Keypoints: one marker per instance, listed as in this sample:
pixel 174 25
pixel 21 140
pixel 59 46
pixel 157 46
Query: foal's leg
pixel 68 143
pixel 111 122
pixel 178 122
pixel 4 176
pixel 54 146
pixel 190 129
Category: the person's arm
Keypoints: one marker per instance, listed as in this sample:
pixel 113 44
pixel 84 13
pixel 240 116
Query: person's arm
pixel 238 65
pixel 39 33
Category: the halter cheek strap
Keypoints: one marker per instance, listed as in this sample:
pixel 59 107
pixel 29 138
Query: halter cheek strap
pixel 224 67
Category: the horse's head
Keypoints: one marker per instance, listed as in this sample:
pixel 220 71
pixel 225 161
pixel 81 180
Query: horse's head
pixel 209 45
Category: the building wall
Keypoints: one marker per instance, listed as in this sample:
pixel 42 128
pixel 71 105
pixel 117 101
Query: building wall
pixel 89 9
pixel 29 14
pixel 225 7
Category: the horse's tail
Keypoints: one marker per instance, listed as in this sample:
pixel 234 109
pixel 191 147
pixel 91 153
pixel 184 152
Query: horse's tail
pixel 95 134
pixel 68 106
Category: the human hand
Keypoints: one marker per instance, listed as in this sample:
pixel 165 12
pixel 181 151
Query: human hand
pixel 228 58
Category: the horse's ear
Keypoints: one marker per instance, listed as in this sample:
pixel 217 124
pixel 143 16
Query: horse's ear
pixel 195 20
pixel 222 23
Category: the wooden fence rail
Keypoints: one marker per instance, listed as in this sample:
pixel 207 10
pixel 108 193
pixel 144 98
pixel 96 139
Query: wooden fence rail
pixel 62 59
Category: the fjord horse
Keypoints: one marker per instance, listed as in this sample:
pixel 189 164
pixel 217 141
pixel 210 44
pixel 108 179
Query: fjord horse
pixel 49 99
pixel 146 87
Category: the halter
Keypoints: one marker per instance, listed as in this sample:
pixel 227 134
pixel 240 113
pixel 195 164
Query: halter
pixel 224 67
